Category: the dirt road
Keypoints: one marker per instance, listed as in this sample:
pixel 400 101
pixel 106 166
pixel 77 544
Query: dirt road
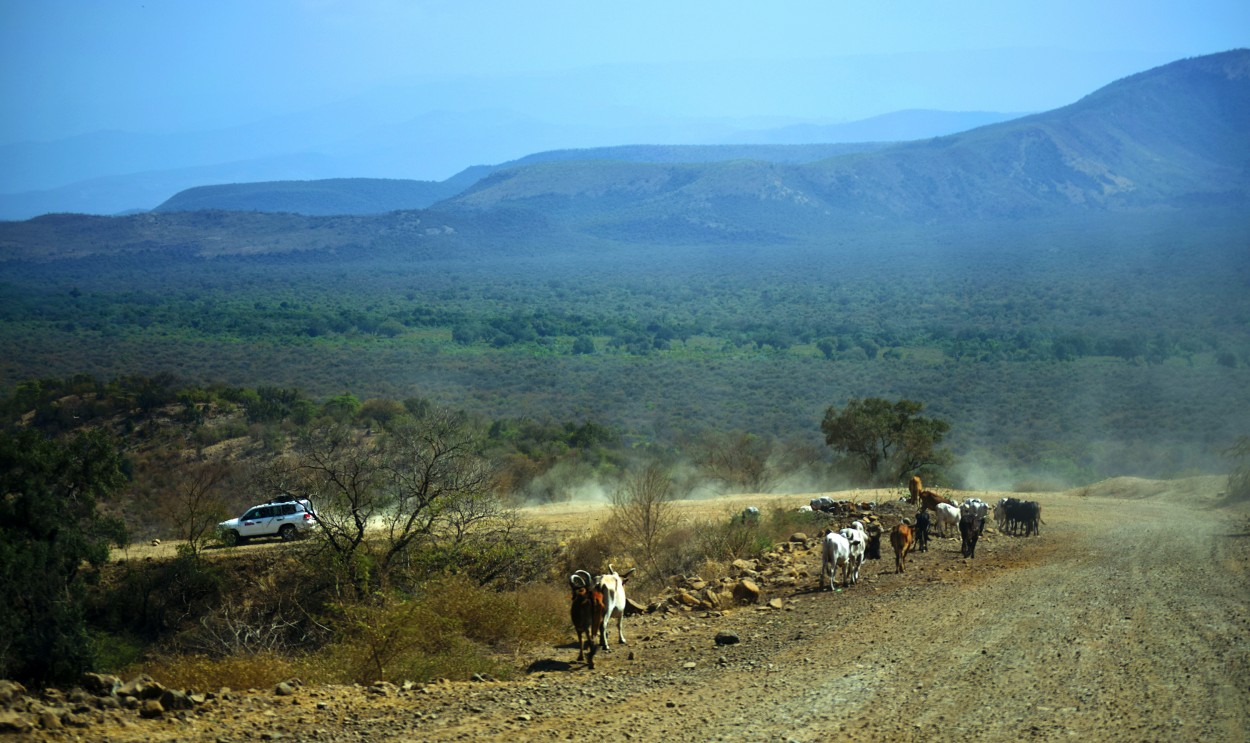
pixel 1128 618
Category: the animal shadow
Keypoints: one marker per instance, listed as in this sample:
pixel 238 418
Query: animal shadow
pixel 548 665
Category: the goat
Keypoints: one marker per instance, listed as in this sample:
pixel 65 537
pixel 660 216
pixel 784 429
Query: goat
pixel 857 538
pixel 901 539
pixel 586 610
pixel 920 531
pixel 915 487
pixel 946 514
pixel 613 588
pixel 835 551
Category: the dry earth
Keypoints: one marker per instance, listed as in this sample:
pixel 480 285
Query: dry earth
pixel 1126 619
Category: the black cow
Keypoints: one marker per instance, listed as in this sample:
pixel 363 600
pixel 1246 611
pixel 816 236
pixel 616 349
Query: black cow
pixel 970 525
pixel 921 530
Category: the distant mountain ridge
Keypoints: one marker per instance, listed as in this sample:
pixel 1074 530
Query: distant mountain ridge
pixel 362 196
pixel 359 196
pixel 1175 135
pixel 143 184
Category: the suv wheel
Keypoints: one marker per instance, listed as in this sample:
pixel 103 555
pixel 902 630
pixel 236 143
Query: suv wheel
pixel 231 538
pixel 287 532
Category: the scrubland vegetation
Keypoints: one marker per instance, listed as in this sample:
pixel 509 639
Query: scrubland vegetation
pixel 421 569
pixel 429 394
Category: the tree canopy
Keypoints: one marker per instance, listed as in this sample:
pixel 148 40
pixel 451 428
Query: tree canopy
pixel 890 439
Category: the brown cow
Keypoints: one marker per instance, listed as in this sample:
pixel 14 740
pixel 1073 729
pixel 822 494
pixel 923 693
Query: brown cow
pixel 930 500
pixel 901 540
pixel 915 486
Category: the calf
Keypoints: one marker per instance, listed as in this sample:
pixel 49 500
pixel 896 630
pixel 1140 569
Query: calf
pixel 835 551
pixel 920 531
pixel 858 540
pixel 901 539
pixel 612 586
pixel 915 487
pixel 586 610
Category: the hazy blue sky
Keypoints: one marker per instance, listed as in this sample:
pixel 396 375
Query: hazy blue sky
pixel 75 66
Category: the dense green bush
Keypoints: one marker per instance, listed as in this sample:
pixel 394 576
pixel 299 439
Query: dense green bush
pixel 52 542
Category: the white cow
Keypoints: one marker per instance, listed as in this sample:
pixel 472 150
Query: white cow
pixel 835 552
pixel 946 514
pixel 974 508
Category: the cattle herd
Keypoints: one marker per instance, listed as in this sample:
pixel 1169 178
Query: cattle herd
pixel 597 599
pixel 839 550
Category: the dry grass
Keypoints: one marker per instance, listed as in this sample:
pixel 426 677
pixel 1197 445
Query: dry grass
pixel 454 630
pixel 201 673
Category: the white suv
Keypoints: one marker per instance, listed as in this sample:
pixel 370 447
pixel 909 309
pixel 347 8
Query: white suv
pixel 289 519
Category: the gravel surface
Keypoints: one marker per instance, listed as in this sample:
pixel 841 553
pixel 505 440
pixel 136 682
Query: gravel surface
pixel 1126 619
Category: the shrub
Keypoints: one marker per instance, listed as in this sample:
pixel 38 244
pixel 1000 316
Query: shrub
pixel 453 630
pixel 730 540
pixel 114 653
pixel 592 552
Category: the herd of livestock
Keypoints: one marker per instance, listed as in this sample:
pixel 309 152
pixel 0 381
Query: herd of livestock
pixel 596 600
pixel 847 548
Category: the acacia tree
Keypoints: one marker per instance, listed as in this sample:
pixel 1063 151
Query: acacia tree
pixel 423 481
pixel 643 512
pixel 440 482
pixel 195 490
pixel 890 439
pixel 740 460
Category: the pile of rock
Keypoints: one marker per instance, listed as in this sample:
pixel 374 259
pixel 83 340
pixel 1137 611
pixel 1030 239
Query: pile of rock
pixel 784 565
pixel 97 699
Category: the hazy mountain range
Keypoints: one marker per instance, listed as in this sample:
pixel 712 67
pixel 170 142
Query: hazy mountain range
pixel 1171 137
pixel 116 172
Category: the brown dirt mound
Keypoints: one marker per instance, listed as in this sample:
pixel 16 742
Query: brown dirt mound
pixel 1197 489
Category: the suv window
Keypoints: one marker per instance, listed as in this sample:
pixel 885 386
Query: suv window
pixel 288 509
